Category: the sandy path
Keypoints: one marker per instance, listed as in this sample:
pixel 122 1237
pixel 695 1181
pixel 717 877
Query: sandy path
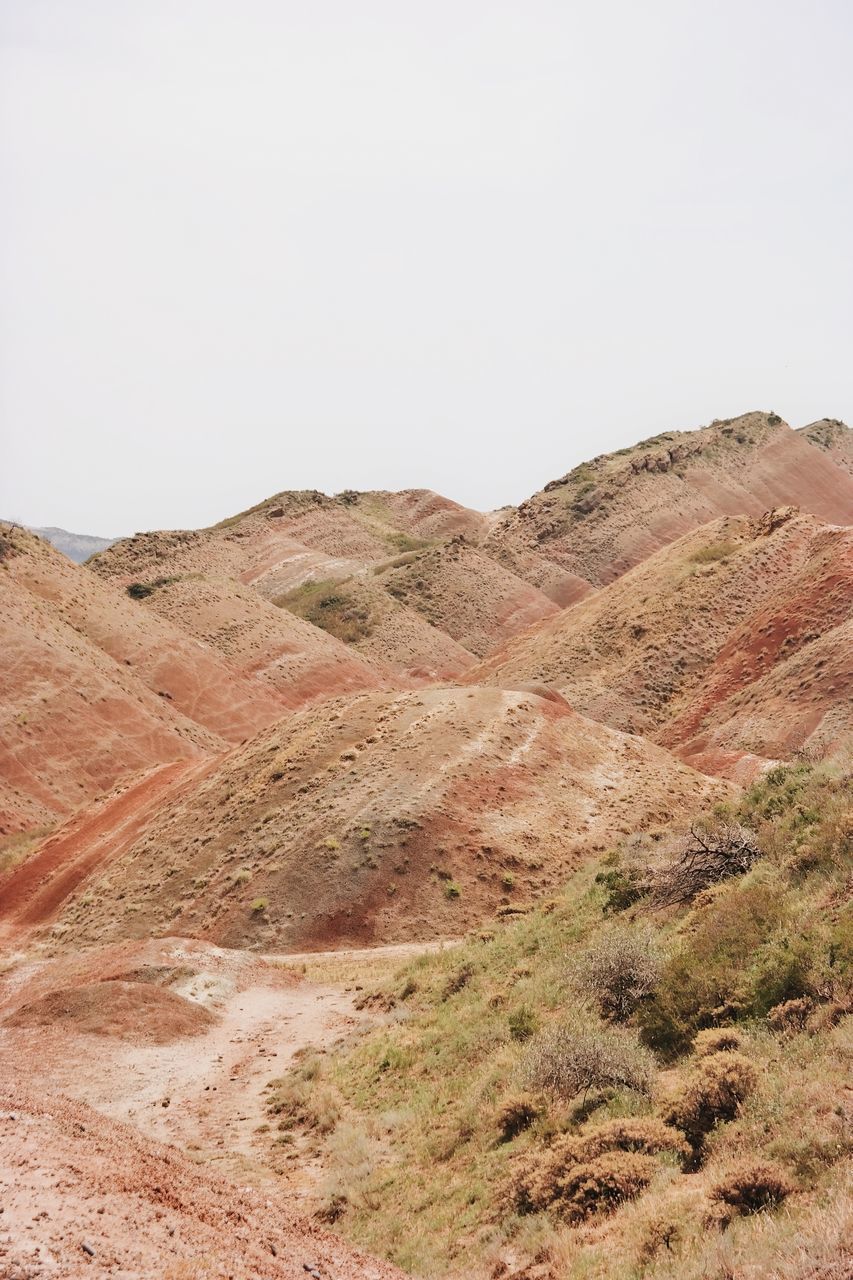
pixel 203 1093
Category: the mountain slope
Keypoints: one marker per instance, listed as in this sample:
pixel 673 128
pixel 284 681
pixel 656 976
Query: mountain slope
pixel 379 817
pixel 298 544
pixel 613 512
pixel 95 687
pixel 702 625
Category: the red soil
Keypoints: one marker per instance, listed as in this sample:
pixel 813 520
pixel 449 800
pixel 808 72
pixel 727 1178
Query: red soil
pixel 129 1010
pixel 33 891
pixel 85 1196
pixel 347 823
pixel 718 646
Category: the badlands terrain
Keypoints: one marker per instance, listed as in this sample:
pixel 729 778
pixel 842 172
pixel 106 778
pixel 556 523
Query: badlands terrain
pixel 391 888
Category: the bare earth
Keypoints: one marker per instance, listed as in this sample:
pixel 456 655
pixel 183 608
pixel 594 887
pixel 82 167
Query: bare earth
pixel 86 1185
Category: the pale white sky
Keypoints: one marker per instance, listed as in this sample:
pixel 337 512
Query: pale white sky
pixel 250 245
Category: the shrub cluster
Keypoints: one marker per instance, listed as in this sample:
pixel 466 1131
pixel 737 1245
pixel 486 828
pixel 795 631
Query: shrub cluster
pixel 582 1174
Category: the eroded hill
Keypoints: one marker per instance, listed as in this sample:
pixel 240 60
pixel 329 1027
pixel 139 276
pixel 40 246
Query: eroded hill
pixel 380 817
pixel 727 645
pixel 607 515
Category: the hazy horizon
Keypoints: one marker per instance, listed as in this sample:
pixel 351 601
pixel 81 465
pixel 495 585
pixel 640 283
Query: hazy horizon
pixel 278 246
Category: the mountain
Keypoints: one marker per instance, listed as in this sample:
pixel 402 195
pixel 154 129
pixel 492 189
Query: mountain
pixel 374 818
pixel 597 521
pixel 727 645
pixel 77 546
pixel 581 766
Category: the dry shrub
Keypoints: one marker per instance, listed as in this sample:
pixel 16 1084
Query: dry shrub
pixel 457 981
pixel 707 857
pixel 300 1101
pixel 827 1016
pixel 713 1093
pixel 790 1016
pixel 515 1114
pixel 568 1061
pixel 620 969
pixel 646 1134
pixel 578 1190
pixel 716 1040
pixel 576 1171
pixel 660 1233
pixel 749 1188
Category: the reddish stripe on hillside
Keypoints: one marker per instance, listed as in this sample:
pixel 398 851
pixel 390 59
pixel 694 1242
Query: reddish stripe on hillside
pixel 31 893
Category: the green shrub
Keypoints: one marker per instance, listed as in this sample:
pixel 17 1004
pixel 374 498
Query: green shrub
pixel 523 1023
pixel 720 972
pixel 141 590
pixel 260 905
pixel 622 889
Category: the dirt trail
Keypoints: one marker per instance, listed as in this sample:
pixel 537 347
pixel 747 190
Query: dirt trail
pixel 203 1093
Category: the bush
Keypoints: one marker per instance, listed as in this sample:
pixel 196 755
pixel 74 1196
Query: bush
pixel 581 1189
pixel 752 1187
pixel 707 857
pixel 790 1016
pixel 622 889
pixel 716 1040
pixel 647 1135
pixel 715 1091
pixel 300 1102
pixel 569 1061
pixel 712 552
pixel 721 971
pixel 619 970
pixel 515 1114
pixel 260 905
pixel 141 590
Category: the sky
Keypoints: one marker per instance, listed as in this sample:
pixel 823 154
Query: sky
pixel 254 245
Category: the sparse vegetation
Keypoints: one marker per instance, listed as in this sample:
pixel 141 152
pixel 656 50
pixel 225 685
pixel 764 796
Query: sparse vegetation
pixel 713 552
pixel 333 607
pixel 493 1145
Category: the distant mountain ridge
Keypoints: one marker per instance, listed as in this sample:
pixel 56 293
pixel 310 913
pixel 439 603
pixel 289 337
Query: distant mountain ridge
pixel 77 546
